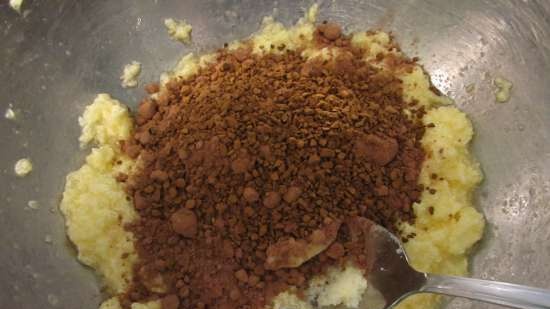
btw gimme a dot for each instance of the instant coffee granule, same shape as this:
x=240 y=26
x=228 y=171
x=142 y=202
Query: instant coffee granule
x=260 y=172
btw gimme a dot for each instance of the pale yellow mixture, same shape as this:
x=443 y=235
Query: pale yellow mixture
x=130 y=74
x=10 y=113
x=95 y=205
x=178 y=30
x=503 y=89
x=22 y=167
x=16 y=5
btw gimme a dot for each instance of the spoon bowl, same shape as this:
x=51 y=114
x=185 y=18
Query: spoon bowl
x=392 y=279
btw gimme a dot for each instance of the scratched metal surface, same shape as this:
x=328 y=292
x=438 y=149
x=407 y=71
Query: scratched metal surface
x=61 y=53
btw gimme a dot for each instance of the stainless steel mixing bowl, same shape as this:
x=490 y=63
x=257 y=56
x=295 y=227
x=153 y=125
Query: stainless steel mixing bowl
x=59 y=53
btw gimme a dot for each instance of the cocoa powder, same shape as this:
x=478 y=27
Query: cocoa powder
x=258 y=173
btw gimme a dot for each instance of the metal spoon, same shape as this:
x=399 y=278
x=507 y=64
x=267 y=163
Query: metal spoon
x=393 y=279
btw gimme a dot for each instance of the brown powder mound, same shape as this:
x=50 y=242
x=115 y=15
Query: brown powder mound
x=259 y=171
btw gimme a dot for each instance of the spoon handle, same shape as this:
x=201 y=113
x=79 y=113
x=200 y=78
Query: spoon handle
x=506 y=294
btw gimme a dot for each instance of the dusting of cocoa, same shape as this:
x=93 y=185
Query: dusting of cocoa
x=184 y=222
x=170 y=302
x=330 y=34
x=259 y=173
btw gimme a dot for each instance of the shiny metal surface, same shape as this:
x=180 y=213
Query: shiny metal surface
x=394 y=280
x=495 y=292
x=57 y=57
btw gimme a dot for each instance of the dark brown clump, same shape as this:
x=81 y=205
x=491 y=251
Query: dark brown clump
x=258 y=173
